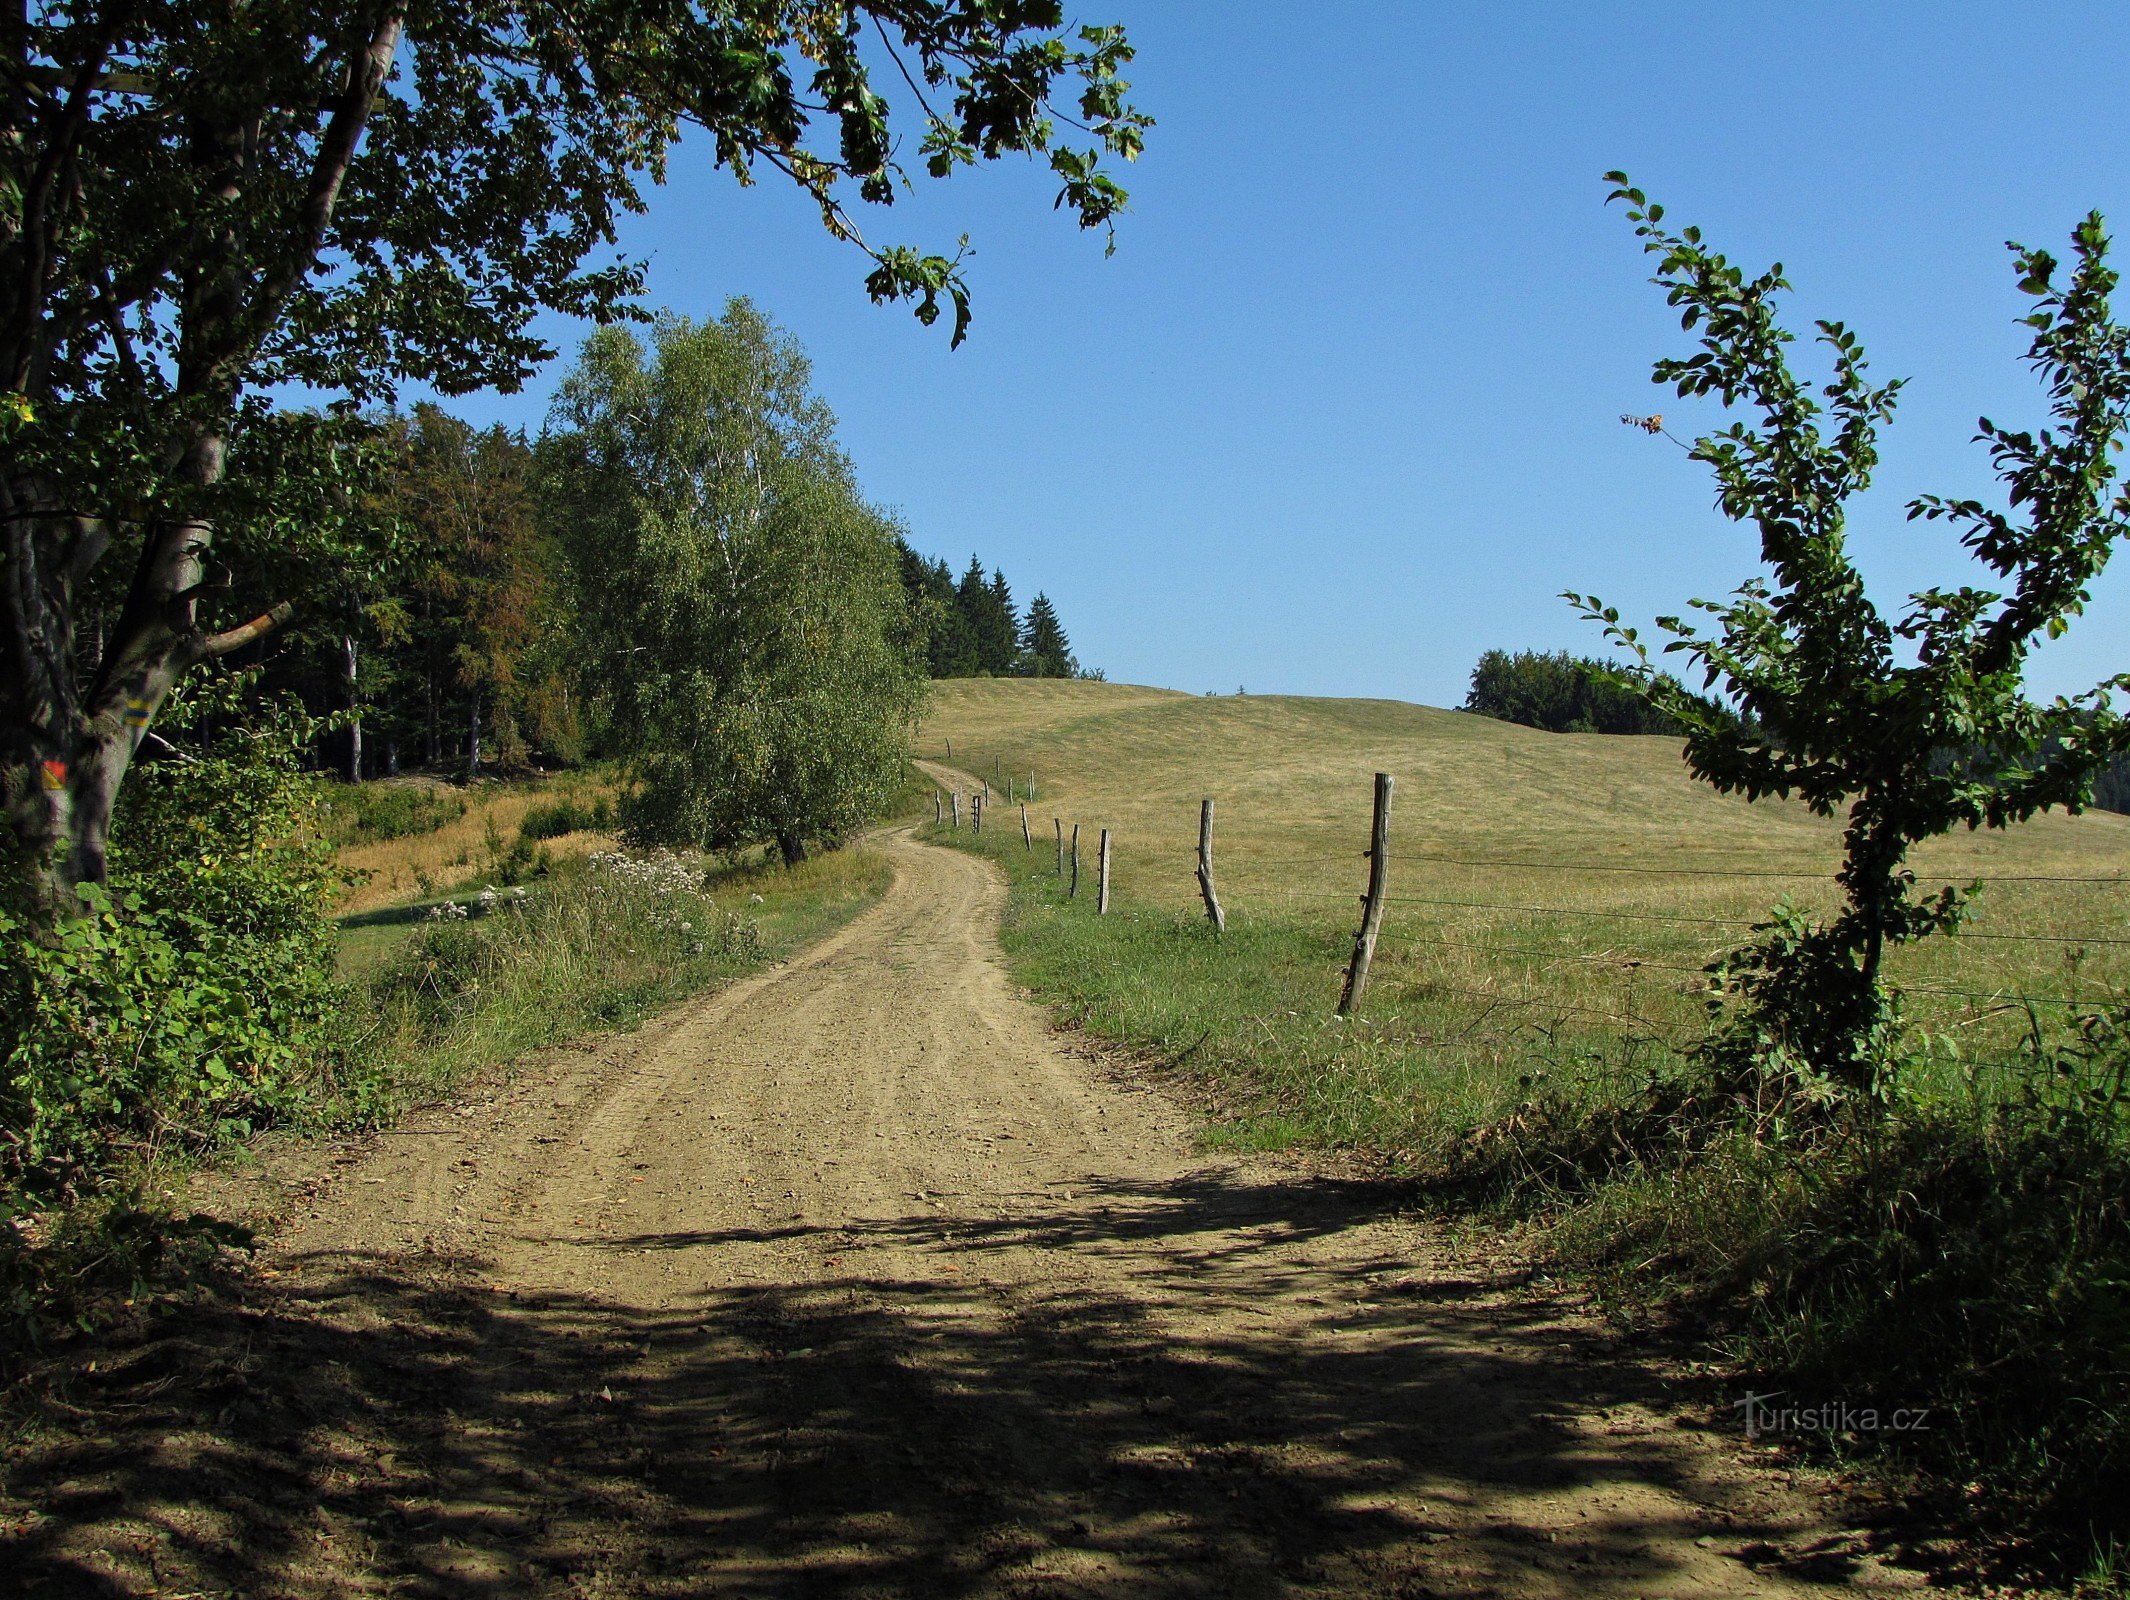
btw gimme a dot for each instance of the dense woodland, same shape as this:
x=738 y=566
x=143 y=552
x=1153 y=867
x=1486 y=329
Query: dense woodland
x=464 y=653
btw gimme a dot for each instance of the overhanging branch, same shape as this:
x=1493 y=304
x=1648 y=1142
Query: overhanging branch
x=221 y=644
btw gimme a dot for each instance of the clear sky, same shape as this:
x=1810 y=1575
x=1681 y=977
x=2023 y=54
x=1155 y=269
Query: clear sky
x=1342 y=411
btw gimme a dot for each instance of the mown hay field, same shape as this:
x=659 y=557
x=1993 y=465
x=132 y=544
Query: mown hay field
x=1558 y=886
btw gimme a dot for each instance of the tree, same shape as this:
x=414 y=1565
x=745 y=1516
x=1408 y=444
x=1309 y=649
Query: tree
x=987 y=612
x=479 y=604
x=741 y=607
x=1002 y=630
x=1045 y=652
x=1912 y=726
x=935 y=609
x=198 y=202
x=1561 y=694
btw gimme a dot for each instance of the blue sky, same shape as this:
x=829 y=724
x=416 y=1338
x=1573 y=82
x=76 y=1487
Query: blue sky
x=1342 y=411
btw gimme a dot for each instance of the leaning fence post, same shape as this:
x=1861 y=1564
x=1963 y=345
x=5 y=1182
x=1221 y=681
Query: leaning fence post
x=938 y=808
x=986 y=782
x=950 y=749
x=1027 y=838
x=1074 y=892
x=957 y=810
x=1364 y=942
x=1059 y=824
x=1102 y=893
x=1205 y=866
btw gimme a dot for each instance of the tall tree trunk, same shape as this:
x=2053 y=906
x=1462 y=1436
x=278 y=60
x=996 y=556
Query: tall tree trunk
x=348 y=668
x=793 y=846
x=68 y=734
x=473 y=735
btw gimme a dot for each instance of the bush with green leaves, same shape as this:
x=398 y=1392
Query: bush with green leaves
x=1911 y=725
x=552 y=819
x=195 y=998
x=361 y=813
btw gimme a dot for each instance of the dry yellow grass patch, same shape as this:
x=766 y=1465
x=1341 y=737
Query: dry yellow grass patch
x=451 y=854
x=1584 y=871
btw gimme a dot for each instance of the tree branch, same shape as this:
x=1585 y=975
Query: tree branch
x=221 y=644
x=336 y=153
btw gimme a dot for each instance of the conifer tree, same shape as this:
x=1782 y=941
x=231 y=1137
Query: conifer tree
x=987 y=608
x=1001 y=638
x=1045 y=651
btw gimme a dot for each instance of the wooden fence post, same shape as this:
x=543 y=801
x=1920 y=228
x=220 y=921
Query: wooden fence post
x=950 y=749
x=986 y=782
x=1059 y=824
x=976 y=812
x=1027 y=838
x=1031 y=785
x=957 y=810
x=1205 y=867
x=1009 y=789
x=938 y=809
x=1102 y=893
x=1364 y=942
x=1074 y=892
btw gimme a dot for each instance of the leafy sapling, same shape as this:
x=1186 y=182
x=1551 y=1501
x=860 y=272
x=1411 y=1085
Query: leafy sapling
x=1910 y=726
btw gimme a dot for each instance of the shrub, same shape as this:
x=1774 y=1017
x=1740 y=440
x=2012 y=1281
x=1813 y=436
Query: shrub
x=552 y=819
x=365 y=813
x=193 y=999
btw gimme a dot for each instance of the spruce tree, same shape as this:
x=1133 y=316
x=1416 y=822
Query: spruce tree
x=1001 y=639
x=1045 y=651
x=987 y=609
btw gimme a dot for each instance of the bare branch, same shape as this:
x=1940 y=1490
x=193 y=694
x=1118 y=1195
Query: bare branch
x=221 y=644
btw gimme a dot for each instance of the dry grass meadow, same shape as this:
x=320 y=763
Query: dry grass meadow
x=419 y=866
x=1561 y=880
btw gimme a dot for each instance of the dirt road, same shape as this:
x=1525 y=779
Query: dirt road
x=850 y=1281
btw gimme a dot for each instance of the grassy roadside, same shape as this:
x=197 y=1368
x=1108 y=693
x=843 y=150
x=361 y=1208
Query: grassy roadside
x=1524 y=1055
x=596 y=938
x=600 y=944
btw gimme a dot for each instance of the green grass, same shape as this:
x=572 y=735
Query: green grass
x=367 y=813
x=1523 y=1049
x=589 y=949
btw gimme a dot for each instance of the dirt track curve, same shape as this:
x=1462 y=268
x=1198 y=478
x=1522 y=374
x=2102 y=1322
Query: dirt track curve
x=850 y=1280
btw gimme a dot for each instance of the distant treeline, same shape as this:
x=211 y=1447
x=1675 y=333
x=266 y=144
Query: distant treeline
x=971 y=628
x=1561 y=694
x=465 y=652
